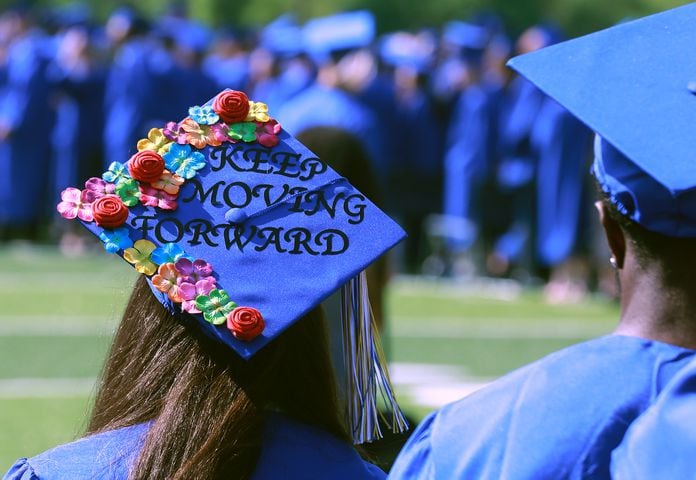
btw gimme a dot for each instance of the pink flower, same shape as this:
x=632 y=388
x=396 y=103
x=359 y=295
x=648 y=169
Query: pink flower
x=267 y=133
x=76 y=203
x=191 y=272
x=157 y=198
x=189 y=291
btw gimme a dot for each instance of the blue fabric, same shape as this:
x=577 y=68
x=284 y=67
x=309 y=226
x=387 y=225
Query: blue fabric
x=559 y=417
x=25 y=111
x=563 y=145
x=630 y=84
x=290 y=450
x=468 y=159
x=661 y=443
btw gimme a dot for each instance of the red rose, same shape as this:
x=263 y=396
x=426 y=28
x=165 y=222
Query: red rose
x=146 y=166
x=245 y=323
x=109 y=211
x=232 y=106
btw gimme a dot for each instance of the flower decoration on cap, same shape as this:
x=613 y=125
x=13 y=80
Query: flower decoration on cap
x=140 y=256
x=244 y=131
x=155 y=141
x=75 y=204
x=116 y=173
x=258 y=112
x=146 y=166
x=109 y=211
x=183 y=161
x=99 y=187
x=245 y=323
x=232 y=106
x=129 y=191
x=152 y=178
x=215 y=306
x=115 y=240
x=204 y=115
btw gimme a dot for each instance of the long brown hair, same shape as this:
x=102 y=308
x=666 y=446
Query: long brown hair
x=207 y=405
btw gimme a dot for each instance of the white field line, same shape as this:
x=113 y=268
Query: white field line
x=434 y=385
x=46 y=387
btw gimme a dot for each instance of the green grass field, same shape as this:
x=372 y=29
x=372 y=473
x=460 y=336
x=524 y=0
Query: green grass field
x=58 y=315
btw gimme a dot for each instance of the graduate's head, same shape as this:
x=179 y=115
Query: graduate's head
x=632 y=85
x=240 y=232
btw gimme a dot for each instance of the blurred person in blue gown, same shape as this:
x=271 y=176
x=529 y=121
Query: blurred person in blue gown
x=415 y=173
x=25 y=118
x=228 y=61
x=517 y=165
x=130 y=95
x=563 y=415
x=469 y=154
x=333 y=43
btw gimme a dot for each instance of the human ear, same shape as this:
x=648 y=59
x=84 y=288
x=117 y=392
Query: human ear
x=614 y=234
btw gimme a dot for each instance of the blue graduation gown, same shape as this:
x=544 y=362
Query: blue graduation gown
x=563 y=145
x=468 y=159
x=662 y=442
x=290 y=450
x=25 y=154
x=559 y=417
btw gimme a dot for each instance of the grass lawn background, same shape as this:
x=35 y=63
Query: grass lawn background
x=58 y=315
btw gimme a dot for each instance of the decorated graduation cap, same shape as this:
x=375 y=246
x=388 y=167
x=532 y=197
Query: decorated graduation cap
x=633 y=85
x=239 y=226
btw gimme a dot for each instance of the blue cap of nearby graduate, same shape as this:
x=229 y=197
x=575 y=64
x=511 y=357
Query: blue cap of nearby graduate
x=343 y=31
x=632 y=84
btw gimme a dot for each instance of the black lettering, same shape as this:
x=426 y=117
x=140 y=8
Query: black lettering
x=287 y=163
x=202 y=194
x=272 y=237
x=199 y=228
x=175 y=236
x=234 y=235
x=299 y=237
x=257 y=157
x=224 y=155
x=237 y=201
x=312 y=166
x=144 y=221
x=355 y=206
x=335 y=242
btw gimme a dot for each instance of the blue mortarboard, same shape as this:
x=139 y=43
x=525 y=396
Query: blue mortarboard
x=465 y=35
x=342 y=31
x=406 y=49
x=235 y=222
x=630 y=84
x=283 y=36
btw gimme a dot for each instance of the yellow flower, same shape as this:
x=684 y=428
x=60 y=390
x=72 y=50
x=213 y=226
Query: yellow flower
x=258 y=112
x=139 y=256
x=155 y=141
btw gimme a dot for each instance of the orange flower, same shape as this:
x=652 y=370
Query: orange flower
x=166 y=281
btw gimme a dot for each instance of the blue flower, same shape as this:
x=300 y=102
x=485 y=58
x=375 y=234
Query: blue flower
x=115 y=240
x=182 y=161
x=116 y=174
x=203 y=115
x=168 y=253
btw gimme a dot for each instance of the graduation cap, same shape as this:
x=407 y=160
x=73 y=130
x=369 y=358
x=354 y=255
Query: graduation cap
x=408 y=50
x=343 y=31
x=240 y=227
x=632 y=84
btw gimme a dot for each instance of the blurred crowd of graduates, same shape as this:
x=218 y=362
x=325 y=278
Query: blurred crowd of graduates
x=487 y=174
